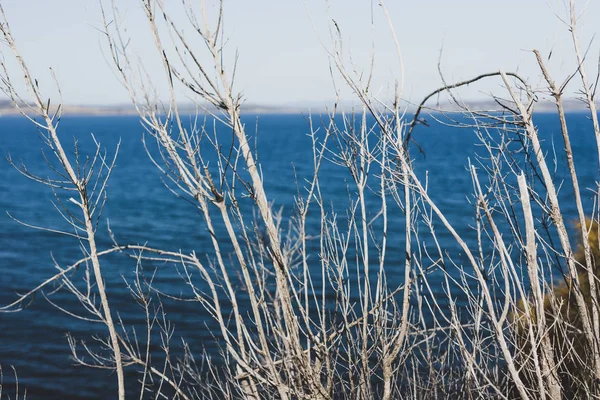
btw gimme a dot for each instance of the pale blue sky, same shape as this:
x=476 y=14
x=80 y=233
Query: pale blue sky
x=281 y=57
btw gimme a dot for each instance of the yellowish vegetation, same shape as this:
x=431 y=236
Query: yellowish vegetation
x=563 y=323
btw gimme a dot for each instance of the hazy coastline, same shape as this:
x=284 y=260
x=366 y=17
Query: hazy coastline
x=8 y=109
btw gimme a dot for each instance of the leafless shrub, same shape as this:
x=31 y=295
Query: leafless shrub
x=326 y=323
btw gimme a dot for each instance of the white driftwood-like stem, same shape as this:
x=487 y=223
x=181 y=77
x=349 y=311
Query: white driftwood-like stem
x=84 y=203
x=548 y=362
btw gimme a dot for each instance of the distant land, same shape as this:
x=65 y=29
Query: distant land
x=7 y=108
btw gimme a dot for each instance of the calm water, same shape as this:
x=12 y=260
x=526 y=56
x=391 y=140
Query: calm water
x=141 y=210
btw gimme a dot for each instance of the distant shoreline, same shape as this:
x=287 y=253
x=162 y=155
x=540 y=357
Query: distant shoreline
x=7 y=109
x=112 y=111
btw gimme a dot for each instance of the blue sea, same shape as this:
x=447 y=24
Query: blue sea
x=140 y=209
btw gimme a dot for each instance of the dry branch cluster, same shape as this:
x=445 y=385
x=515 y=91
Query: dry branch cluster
x=325 y=323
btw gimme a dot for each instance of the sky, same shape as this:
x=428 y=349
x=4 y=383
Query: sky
x=282 y=45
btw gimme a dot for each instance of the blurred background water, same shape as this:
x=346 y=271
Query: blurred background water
x=141 y=210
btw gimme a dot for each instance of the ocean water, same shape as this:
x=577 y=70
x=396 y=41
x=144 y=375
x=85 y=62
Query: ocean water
x=140 y=209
